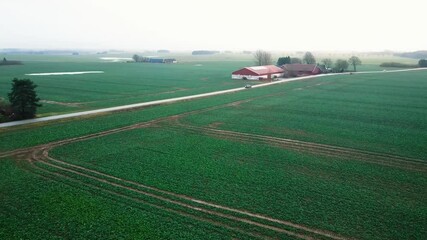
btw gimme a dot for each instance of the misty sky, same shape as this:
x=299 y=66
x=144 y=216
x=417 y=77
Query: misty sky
x=359 y=25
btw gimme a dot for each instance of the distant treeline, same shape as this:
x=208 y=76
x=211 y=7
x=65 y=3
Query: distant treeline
x=36 y=52
x=163 y=51
x=142 y=59
x=204 y=52
x=416 y=55
x=398 y=65
x=9 y=62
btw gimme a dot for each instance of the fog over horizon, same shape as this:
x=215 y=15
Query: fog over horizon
x=186 y=25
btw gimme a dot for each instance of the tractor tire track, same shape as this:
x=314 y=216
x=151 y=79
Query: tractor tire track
x=323 y=149
x=43 y=158
x=23 y=151
x=201 y=202
x=135 y=200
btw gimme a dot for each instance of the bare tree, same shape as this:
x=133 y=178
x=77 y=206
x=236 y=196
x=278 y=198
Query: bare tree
x=308 y=58
x=341 y=65
x=262 y=58
x=296 y=60
x=327 y=62
x=354 y=61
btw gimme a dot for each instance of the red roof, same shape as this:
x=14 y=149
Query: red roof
x=259 y=70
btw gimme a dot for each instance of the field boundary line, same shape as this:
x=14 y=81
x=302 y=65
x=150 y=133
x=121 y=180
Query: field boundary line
x=178 y=99
x=372 y=157
x=146 y=104
x=148 y=123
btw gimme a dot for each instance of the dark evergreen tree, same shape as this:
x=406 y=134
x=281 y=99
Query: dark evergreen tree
x=23 y=99
x=283 y=60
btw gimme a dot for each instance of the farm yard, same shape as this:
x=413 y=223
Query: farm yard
x=338 y=157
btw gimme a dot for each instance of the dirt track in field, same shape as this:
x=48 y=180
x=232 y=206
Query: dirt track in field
x=43 y=163
x=54 y=176
x=45 y=166
x=137 y=193
x=17 y=152
x=314 y=148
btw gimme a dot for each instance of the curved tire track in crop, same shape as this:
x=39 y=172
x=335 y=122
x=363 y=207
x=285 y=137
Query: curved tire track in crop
x=58 y=177
x=316 y=148
x=23 y=151
x=41 y=157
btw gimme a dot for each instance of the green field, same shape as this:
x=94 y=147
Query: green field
x=127 y=83
x=120 y=84
x=34 y=207
x=336 y=194
x=338 y=157
x=383 y=113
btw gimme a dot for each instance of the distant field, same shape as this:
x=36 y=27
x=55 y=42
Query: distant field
x=339 y=157
x=120 y=84
x=127 y=83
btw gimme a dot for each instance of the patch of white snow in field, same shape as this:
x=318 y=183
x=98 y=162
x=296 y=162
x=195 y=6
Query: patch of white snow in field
x=116 y=59
x=62 y=73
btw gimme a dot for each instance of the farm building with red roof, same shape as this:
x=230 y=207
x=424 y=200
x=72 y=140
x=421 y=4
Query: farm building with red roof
x=258 y=73
x=291 y=70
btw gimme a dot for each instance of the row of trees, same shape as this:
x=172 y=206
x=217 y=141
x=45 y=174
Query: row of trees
x=421 y=63
x=308 y=58
x=265 y=58
x=340 y=65
x=23 y=101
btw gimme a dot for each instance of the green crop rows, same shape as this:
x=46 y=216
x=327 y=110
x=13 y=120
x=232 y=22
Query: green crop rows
x=37 y=208
x=97 y=188
x=381 y=113
x=343 y=195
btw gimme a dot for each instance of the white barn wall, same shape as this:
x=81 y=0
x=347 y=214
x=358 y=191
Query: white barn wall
x=252 y=77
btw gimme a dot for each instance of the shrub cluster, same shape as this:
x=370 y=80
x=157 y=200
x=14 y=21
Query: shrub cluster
x=398 y=65
x=9 y=62
x=422 y=63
